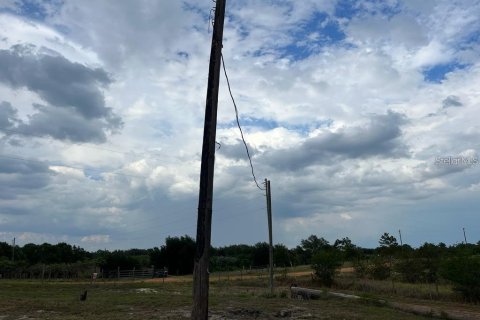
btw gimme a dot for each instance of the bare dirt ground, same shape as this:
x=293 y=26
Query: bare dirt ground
x=234 y=276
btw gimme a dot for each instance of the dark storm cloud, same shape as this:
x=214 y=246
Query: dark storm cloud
x=12 y=165
x=8 y=115
x=58 y=123
x=451 y=101
x=236 y=151
x=55 y=79
x=67 y=125
x=18 y=176
x=75 y=107
x=380 y=137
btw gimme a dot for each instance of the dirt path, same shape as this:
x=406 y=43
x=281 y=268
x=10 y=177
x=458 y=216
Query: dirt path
x=447 y=312
x=169 y=279
x=213 y=277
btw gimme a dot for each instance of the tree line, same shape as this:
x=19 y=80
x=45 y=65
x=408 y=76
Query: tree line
x=458 y=264
x=428 y=263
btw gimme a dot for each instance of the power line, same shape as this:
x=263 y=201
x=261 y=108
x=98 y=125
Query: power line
x=238 y=124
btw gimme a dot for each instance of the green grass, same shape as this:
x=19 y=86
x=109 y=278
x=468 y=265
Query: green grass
x=398 y=289
x=60 y=300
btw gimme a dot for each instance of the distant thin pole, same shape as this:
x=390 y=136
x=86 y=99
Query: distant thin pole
x=464 y=236
x=400 y=234
x=13 y=250
x=270 y=242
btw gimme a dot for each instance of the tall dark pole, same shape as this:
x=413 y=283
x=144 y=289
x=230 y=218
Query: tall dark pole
x=269 y=216
x=204 y=222
x=13 y=250
x=464 y=236
x=400 y=234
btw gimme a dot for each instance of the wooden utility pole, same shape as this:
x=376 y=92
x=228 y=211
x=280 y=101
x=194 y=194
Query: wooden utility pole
x=13 y=250
x=269 y=215
x=204 y=222
x=464 y=235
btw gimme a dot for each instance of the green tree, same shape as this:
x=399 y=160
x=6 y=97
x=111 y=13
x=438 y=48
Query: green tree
x=260 y=254
x=110 y=261
x=349 y=251
x=281 y=256
x=431 y=256
x=387 y=241
x=308 y=247
x=179 y=253
x=32 y=253
x=388 y=247
x=5 y=250
x=325 y=264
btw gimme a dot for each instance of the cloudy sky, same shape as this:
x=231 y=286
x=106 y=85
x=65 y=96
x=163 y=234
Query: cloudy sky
x=351 y=108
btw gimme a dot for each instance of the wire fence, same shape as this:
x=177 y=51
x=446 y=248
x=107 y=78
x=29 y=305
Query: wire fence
x=73 y=272
x=135 y=273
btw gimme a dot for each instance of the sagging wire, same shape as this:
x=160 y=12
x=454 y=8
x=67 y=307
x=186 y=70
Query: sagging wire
x=239 y=126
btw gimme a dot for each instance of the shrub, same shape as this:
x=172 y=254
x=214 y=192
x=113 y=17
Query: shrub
x=325 y=264
x=379 y=269
x=464 y=272
x=411 y=270
x=361 y=268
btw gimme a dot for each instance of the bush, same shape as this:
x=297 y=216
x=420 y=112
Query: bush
x=361 y=268
x=379 y=269
x=325 y=264
x=464 y=272
x=411 y=270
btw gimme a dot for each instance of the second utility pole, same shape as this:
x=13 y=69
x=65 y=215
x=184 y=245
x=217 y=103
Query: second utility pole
x=205 y=198
x=269 y=215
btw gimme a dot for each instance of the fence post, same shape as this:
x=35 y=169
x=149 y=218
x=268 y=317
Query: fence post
x=133 y=273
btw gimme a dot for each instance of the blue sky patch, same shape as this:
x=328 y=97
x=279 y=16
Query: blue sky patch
x=317 y=32
x=93 y=174
x=348 y=9
x=34 y=9
x=472 y=39
x=269 y=124
x=438 y=72
x=253 y=122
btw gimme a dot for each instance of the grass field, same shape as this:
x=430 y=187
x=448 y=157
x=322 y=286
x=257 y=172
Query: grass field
x=232 y=296
x=171 y=300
